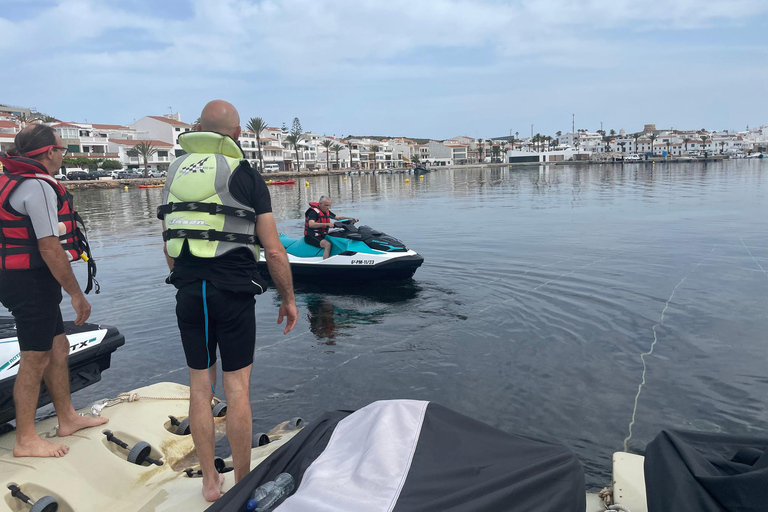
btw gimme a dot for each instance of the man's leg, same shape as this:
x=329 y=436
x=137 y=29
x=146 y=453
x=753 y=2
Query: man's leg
x=239 y=419
x=26 y=392
x=202 y=429
x=57 y=381
x=326 y=245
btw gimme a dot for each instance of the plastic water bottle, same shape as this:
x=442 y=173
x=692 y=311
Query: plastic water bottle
x=265 y=496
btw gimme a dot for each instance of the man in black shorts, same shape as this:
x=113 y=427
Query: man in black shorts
x=216 y=210
x=34 y=267
x=317 y=220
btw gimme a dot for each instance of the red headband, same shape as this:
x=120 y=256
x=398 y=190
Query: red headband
x=40 y=151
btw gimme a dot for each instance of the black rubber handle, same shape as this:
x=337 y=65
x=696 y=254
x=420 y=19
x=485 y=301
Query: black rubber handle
x=112 y=439
x=16 y=493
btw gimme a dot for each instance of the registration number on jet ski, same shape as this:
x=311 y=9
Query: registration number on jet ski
x=362 y=262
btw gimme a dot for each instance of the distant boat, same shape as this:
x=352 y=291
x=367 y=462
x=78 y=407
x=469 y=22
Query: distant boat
x=281 y=182
x=151 y=186
x=755 y=155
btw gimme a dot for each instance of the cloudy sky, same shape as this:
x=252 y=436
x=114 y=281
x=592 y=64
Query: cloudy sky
x=420 y=68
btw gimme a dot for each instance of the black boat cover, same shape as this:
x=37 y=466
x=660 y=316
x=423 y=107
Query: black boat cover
x=408 y=456
x=701 y=472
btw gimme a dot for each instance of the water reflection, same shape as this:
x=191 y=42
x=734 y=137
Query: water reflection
x=335 y=311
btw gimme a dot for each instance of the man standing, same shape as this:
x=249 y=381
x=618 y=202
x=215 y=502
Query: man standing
x=35 y=252
x=216 y=210
x=317 y=221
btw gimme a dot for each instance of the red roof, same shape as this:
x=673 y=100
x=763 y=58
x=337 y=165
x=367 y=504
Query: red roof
x=67 y=125
x=8 y=135
x=8 y=124
x=110 y=127
x=170 y=121
x=133 y=142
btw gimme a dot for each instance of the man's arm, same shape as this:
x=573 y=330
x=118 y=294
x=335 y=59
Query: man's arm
x=170 y=261
x=58 y=263
x=279 y=268
x=315 y=224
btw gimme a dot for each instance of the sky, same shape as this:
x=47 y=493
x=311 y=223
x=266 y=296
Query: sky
x=415 y=68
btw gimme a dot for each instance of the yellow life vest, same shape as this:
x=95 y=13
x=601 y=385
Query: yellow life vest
x=197 y=204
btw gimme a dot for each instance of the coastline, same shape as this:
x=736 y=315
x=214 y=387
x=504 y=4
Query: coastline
x=134 y=183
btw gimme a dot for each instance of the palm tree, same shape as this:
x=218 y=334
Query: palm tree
x=669 y=145
x=686 y=141
x=415 y=159
x=722 y=147
x=327 y=144
x=374 y=150
x=49 y=119
x=336 y=148
x=349 y=145
x=145 y=150
x=496 y=150
x=704 y=143
x=257 y=125
x=636 y=136
x=23 y=119
x=653 y=138
x=480 y=149
x=294 y=140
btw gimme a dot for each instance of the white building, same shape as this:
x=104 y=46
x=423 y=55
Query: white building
x=163 y=128
x=124 y=149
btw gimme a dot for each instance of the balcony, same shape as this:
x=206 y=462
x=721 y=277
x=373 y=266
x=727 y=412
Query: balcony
x=92 y=155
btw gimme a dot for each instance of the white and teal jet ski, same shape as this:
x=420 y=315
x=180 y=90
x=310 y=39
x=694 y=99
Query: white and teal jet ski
x=90 y=352
x=358 y=253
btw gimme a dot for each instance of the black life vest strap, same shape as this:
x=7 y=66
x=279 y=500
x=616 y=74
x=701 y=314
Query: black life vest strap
x=210 y=235
x=210 y=208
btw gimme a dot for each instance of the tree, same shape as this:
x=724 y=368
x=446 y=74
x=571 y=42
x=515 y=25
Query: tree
x=111 y=164
x=722 y=147
x=374 y=150
x=23 y=119
x=197 y=122
x=704 y=143
x=496 y=150
x=480 y=149
x=653 y=138
x=257 y=125
x=415 y=159
x=636 y=137
x=686 y=141
x=336 y=148
x=294 y=142
x=327 y=144
x=49 y=119
x=669 y=145
x=349 y=144
x=612 y=132
x=145 y=150
x=296 y=132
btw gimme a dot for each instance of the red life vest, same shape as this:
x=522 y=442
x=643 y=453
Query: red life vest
x=325 y=218
x=18 y=243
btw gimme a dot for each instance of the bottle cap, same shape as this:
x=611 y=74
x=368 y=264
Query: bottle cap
x=252 y=505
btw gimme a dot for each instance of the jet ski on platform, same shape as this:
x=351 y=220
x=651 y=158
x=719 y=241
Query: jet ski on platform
x=357 y=254
x=90 y=352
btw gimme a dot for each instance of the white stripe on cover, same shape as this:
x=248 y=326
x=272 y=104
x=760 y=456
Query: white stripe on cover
x=366 y=462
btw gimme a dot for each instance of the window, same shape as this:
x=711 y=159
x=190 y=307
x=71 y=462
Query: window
x=178 y=129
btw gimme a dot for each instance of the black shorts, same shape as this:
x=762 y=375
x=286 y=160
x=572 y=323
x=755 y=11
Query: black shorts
x=231 y=326
x=313 y=241
x=33 y=297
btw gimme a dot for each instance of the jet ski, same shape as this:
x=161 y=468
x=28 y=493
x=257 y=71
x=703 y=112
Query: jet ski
x=358 y=253
x=90 y=353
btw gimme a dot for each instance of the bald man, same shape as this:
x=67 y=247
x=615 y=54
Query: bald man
x=216 y=213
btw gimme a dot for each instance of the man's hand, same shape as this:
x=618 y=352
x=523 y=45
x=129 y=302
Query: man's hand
x=82 y=308
x=289 y=311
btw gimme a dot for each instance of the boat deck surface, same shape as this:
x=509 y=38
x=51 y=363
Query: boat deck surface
x=95 y=474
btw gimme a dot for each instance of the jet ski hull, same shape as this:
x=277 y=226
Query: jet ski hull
x=91 y=348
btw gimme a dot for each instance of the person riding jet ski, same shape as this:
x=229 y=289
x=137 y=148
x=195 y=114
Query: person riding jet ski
x=317 y=220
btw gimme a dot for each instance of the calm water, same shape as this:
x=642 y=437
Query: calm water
x=540 y=290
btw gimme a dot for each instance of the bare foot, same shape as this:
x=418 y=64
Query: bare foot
x=37 y=447
x=71 y=425
x=212 y=489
